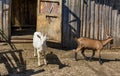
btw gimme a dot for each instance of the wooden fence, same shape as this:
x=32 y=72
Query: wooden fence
x=98 y=18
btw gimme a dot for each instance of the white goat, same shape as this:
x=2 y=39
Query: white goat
x=39 y=44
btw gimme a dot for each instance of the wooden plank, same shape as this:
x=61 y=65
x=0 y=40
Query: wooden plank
x=88 y=18
x=6 y=18
x=84 y=20
x=81 y=18
x=117 y=32
x=38 y=7
x=114 y=27
x=92 y=19
x=103 y=26
x=106 y=23
x=110 y=24
x=100 y=21
x=96 y=33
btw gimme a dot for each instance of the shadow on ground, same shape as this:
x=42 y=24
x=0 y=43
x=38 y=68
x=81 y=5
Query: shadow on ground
x=53 y=59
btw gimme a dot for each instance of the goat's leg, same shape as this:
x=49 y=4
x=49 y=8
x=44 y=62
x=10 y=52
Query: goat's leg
x=45 y=62
x=35 y=52
x=76 y=51
x=82 y=52
x=92 y=55
x=99 y=53
x=38 y=58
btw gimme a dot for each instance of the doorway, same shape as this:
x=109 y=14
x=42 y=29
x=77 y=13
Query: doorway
x=23 y=18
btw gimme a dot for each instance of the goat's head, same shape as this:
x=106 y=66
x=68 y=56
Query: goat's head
x=43 y=38
x=110 y=38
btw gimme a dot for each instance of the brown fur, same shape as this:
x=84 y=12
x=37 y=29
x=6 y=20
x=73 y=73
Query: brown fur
x=92 y=44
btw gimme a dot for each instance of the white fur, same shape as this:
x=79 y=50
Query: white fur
x=39 y=45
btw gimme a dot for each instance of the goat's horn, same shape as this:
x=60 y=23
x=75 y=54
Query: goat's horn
x=38 y=36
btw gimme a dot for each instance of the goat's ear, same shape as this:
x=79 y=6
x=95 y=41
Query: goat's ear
x=38 y=36
x=108 y=36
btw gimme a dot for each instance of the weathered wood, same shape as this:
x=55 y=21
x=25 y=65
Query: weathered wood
x=96 y=33
x=110 y=24
x=84 y=20
x=88 y=18
x=6 y=16
x=100 y=21
x=92 y=19
x=103 y=26
x=117 y=31
x=114 y=27
x=81 y=18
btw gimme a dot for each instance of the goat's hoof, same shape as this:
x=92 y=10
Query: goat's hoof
x=46 y=63
x=76 y=59
x=90 y=59
x=101 y=62
x=35 y=55
x=39 y=65
x=86 y=58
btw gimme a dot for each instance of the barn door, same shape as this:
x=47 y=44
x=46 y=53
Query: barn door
x=49 y=18
x=5 y=19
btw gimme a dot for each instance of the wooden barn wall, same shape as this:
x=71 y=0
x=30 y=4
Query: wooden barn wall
x=5 y=17
x=90 y=18
x=71 y=21
x=24 y=12
x=0 y=14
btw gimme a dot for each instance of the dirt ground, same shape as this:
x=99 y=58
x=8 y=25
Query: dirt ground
x=21 y=62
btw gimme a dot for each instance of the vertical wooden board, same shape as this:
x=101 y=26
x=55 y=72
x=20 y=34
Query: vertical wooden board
x=107 y=20
x=96 y=33
x=100 y=21
x=84 y=20
x=110 y=24
x=1 y=18
x=103 y=26
x=88 y=18
x=77 y=17
x=81 y=18
x=92 y=19
x=106 y=23
x=0 y=14
x=114 y=28
x=117 y=31
x=6 y=14
x=116 y=14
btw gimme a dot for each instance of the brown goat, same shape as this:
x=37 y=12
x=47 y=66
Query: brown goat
x=91 y=44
